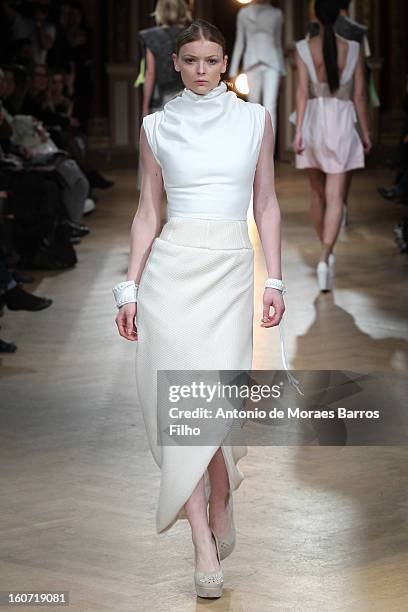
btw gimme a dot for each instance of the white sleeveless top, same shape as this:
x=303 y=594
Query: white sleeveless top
x=208 y=147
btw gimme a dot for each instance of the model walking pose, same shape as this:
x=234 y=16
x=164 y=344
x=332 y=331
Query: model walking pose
x=351 y=30
x=259 y=41
x=157 y=75
x=326 y=142
x=188 y=298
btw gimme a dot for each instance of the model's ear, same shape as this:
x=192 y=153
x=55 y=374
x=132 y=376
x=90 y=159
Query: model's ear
x=174 y=57
x=225 y=64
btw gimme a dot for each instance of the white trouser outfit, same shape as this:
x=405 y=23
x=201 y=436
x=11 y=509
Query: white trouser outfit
x=263 y=82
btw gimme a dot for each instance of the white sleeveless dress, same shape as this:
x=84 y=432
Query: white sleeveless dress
x=332 y=143
x=195 y=298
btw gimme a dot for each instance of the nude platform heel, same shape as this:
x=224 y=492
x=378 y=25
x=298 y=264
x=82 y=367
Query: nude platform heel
x=227 y=543
x=210 y=584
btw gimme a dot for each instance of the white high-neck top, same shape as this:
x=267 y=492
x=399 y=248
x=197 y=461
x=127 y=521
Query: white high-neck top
x=208 y=147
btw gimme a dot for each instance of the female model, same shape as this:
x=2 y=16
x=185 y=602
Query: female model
x=160 y=81
x=191 y=284
x=326 y=140
x=159 y=42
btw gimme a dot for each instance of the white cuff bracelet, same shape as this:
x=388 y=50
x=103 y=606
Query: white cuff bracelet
x=275 y=283
x=125 y=293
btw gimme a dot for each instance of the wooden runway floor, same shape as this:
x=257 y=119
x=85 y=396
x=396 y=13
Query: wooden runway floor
x=319 y=528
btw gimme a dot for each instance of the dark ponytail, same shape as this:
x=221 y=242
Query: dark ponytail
x=327 y=12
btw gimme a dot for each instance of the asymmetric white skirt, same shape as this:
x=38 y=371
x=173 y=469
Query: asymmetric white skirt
x=195 y=311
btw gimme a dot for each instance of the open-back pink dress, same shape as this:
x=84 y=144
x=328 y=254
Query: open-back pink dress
x=332 y=143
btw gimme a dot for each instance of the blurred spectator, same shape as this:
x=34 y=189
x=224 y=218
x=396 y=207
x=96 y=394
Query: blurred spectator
x=38 y=101
x=31 y=142
x=5 y=33
x=81 y=43
x=14 y=296
x=60 y=101
x=16 y=81
x=61 y=57
x=399 y=191
x=35 y=203
x=47 y=51
x=32 y=24
x=21 y=53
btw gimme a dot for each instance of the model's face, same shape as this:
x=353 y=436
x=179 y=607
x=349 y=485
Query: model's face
x=200 y=64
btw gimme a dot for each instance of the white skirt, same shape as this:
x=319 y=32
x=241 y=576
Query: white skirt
x=194 y=311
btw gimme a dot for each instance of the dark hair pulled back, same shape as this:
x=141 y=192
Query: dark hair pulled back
x=327 y=12
x=200 y=29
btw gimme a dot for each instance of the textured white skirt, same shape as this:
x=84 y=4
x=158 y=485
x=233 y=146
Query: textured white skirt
x=195 y=311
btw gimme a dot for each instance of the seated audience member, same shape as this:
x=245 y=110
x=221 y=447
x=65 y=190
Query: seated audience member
x=80 y=38
x=14 y=296
x=21 y=53
x=61 y=57
x=37 y=101
x=32 y=24
x=62 y=126
x=16 y=84
x=35 y=203
x=399 y=191
x=32 y=142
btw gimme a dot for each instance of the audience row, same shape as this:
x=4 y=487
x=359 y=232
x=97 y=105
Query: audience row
x=46 y=176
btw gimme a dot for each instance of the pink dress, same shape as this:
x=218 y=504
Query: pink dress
x=329 y=132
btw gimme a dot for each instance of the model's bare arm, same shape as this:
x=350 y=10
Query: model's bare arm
x=146 y=222
x=145 y=228
x=148 y=85
x=302 y=94
x=268 y=221
x=360 y=102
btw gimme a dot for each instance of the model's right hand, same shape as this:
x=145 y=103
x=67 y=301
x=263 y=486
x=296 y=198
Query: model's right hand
x=367 y=145
x=126 y=321
x=272 y=298
x=298 y=146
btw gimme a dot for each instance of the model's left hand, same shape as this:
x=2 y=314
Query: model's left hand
x=274 y=298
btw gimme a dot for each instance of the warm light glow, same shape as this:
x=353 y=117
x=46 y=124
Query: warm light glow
x=241 y=83
x=244 y=1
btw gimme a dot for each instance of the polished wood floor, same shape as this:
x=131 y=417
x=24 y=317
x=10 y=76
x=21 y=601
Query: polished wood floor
x=319 y=528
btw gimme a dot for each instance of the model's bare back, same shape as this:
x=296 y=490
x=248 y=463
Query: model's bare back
x=316 y=48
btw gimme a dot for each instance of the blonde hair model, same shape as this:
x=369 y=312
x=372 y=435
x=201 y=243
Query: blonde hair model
x=172 y=12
